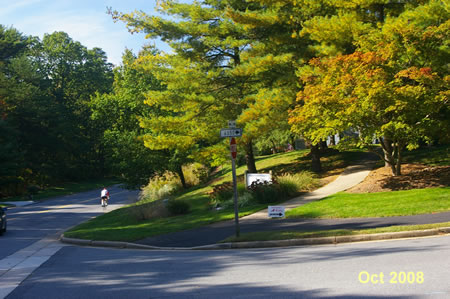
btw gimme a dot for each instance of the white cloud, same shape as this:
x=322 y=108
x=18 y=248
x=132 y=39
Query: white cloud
x=8 y=7
x=85 y=21
x=93 y=29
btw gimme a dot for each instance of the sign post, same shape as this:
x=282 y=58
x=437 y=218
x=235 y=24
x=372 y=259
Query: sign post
x=233 y=169
x=232 y=132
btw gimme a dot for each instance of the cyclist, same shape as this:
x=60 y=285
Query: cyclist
x=105 y=197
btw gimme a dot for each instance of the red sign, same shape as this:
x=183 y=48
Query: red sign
x=233 y=148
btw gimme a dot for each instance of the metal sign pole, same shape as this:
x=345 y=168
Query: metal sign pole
x=236 y=212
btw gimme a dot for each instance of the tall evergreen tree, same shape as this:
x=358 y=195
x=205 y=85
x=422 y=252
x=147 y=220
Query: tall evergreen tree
x=203 y=90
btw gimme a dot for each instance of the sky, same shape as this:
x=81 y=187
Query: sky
x=85 y=21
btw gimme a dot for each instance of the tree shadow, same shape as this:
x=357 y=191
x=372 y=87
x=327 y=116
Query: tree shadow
x=76 y=272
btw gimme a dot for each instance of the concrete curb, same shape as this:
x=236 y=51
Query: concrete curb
x=267 y=244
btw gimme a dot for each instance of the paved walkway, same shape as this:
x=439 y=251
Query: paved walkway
x=259 y=221
x=351 y=176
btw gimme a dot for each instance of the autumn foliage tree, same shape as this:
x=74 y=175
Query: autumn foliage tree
x=396 y=90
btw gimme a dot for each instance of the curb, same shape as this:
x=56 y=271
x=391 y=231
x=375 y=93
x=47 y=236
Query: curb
x=267 y=244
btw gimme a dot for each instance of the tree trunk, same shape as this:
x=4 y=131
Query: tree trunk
x=316 y=166
x=390 y=152
x=274 y=148
x=386 y=144
x=399 y=160
x=333 y=140
x=323 y=145
x=250 y=158
x=181 y=175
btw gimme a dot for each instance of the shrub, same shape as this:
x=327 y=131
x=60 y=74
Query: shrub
x=149 y=210
x=222 y=192
x=178 y=207
x=266 y=192
x=33 y=189
x=283 y=187
x=195 y=174
x=244 y=200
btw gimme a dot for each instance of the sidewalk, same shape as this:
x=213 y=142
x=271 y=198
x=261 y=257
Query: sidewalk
x=352 y=176
x=259 y=221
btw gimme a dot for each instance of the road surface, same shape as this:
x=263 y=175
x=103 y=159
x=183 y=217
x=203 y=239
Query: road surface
x=33 y=231
x=33 y=264
x=414 y=268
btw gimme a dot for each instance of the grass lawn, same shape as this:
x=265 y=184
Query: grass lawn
x=381 y=204
x=120 y=225
x=287 y=235
x=433 y=156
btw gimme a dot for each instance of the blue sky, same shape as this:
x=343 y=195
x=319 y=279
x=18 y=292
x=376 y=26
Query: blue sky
x=85 y=21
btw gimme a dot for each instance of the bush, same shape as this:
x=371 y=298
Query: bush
x=178 y=207
x=195 y=174
x=283 y=187
x=162 y=186
x=222 y=192
x=33 y=189
x=149 y=210
x=244 y=200
x=266 y=192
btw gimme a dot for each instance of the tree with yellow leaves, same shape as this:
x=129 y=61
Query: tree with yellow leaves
x=395 y=88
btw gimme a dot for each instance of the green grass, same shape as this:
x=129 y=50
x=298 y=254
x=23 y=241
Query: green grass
x=332 y=161
x=119 y=225
x=65 y=189
x=288 y=235
x=381 y=204
x=433 y=156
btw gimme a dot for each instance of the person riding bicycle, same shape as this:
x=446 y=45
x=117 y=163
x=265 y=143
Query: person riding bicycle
x=105 y=197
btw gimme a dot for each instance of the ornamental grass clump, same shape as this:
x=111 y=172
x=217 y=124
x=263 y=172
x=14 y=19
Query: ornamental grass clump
x=149 y=210
x=222 y=196
x=293 y=184
x=244 y=200
x=160 y=187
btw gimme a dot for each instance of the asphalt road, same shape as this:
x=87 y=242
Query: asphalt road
x=33 y=264
x=33 y=231
x=412 y=268
x=32 y=223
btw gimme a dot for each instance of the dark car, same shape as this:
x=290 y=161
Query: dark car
x=2 y=220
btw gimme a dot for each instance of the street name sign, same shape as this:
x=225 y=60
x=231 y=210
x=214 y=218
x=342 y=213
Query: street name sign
x=233 y=132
